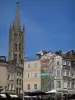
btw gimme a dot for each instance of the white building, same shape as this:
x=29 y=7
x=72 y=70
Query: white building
x=62 y=72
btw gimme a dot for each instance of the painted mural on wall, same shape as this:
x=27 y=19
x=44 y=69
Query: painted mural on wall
x=45 y=76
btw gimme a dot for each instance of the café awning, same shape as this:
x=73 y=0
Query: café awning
x=3 y=95
x=13 y=96
x=52 y=91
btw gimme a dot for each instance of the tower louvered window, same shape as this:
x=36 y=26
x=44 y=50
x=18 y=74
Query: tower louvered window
x=20 y=46
x=16 y=37
x=15 y=46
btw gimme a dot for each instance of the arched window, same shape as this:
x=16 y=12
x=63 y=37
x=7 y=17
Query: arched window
x=58 y=62
x=58 y=72
x=15 y=56
x=19 y=46
x=15 y=37
x=20 y=37
x=15 y=46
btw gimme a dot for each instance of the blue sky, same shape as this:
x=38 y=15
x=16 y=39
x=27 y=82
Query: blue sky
x=50 y=24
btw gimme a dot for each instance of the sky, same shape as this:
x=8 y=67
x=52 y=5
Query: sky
x=49 y=25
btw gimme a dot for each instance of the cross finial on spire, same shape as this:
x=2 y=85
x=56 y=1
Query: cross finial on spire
x=17 y=19
x=17 y=1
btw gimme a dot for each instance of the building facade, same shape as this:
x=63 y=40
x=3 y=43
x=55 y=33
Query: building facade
x=61 y=71
x=3 y=74
x=62 y=75
x=7 y=76
x=16 y=50
x=56 y=72
x=32 y=78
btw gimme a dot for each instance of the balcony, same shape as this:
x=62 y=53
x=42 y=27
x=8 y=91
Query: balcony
x=68 y=63
x=64 y=63
x=66 y=67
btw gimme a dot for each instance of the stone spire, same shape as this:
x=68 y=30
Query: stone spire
x=17 y=17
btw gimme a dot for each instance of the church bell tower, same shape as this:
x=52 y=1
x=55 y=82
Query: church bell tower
x=16 y=47
x=16 y=40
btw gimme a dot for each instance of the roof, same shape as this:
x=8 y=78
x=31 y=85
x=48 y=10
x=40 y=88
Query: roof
x=31 y=59
x=3 y=61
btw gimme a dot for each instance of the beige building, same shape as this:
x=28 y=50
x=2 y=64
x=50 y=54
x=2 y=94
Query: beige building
x=3 y=74
x=7 y=76
x=32 y=77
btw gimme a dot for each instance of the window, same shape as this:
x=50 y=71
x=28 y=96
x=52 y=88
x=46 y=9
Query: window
x=58 y=72
x=68 y=73
x=35 y=75
x=35 y=86
x=19 y=58
x=8 y=77
x=15 y=56
x=57 y=62
x=8 y=86
x=64 y=62
x=12 y=77
x=69 y=84
x=72 y=74
x=58 y=84
x=35 y=65
x=16 y=37
x=17 y=90
x=20 y=37
x=64 y=72
x=28 y=86
x=19 y=46
x=15 y=47
x=28 y=65
x=72 y=85
x=20 y=82
x=17 y=81
x=19 y=74
x=28 y=75
x=68 y=63
x=64 y=84
x=52 y=84
x=12 y=86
